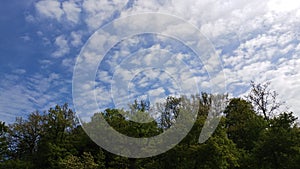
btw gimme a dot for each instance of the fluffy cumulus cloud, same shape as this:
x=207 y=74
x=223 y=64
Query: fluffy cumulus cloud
x=263 y=47
x=91 y=12
x=257 y=40
x=72 y=11
x=136 y=69
x=76 y=39
x=50 y=9
x=99 y=11
x=62 y=44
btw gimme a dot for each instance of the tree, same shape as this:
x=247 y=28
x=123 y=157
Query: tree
x=243 y=139
x=55 y=142
x=218 y=151
x=279 y=146
x=25 y=134
x=58 y=122
x=73 y=162
x=243 y=124
x=3 y=141
x=22 y=139
x=70 y=162
x=169 y=111
x=205 y=101
x=82 y=144
x=263 y=99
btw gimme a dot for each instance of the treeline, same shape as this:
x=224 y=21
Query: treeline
x=252 y=134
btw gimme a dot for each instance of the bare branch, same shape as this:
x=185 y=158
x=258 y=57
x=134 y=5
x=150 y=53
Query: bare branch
x=263 y=99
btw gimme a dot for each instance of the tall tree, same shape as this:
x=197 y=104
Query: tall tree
x=279 y=146
x=86 y=161
x=25 y=134
x=243 y=124
x=264 y=99
x=169 y=111
x=55 y=143
x=3 y=141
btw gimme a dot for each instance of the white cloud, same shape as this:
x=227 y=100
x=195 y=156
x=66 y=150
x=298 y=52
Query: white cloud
x=99 y=11
x=257 y=40
x=25 y=38
x=21 y=94
x=30 y=18
x=148 y=71
x=49 y=8
x=19 y=71
x=283 y=6
x=72 y=11
x=76 y=39
x=63 y=47
x=68 y=63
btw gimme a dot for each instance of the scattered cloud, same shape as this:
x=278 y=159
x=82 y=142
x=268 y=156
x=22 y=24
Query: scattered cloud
x=19 y=71
x=50 y=9
x=25 y=38
x=72 y=11
x=97 y=12
x=62 y=44
x=255 y=40
x=21 y=94
x=76 y=39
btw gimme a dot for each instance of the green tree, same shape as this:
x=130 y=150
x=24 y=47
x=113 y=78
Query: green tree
x=244 y=138
x=55 y=142
x=218 y=152
x=73 y=162
x=70 y=162
x=279 y=145
x=24 y=136
x=243 y=124
x=169 y=111
x=3 y=141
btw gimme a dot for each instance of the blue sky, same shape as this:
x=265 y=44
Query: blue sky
x=41 y=40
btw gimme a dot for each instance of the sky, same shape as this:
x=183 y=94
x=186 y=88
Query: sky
x=44 y=42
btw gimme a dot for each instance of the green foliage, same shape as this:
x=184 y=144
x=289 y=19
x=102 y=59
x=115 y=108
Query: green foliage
x=3 y=141
x=278 y=146
x=218 y=151
x=73 y=162
x=170 y=111
x=129 y=127
x=244 y=139
x=55 y=142
x=25 y=134
x=16 y=164
x=242 y=123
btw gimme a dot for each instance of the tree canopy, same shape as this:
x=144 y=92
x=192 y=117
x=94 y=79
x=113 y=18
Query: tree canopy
x=248 y=136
